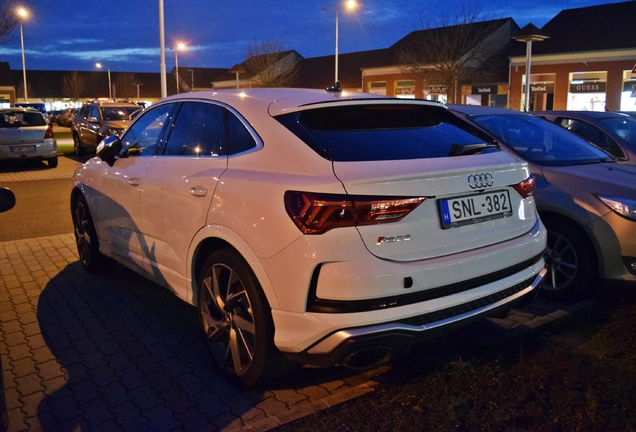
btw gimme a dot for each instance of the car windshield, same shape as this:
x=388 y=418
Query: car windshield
x=16 y=119
x=119 y=113
x=624 y=127
x=369 y=132
x=539 y=141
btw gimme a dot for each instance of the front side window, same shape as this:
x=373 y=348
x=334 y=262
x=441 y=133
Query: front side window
x=144 y=134
x=624 y=128
x=199 y=130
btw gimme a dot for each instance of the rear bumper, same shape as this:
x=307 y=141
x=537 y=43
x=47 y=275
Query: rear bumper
x=380 y=341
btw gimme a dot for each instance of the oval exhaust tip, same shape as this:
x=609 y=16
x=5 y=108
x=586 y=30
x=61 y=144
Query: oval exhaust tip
x=368 y=358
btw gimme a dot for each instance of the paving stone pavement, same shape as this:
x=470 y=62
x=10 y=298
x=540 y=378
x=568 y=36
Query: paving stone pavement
x=116 y=352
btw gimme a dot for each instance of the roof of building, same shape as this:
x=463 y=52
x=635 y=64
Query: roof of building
x=6 y=78
x=604 y=27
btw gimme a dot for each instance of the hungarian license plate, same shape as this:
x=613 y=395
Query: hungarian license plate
x=474 y=209
x=22 y=149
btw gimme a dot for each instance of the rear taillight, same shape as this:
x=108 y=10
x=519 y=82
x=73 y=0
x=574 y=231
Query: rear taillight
x=526 y=188
x=316 y=213
x=48 y=133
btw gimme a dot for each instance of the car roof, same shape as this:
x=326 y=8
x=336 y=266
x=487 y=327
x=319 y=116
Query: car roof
x=20 y=109
x=588 y=114
x=478 y=109
x=284 y=100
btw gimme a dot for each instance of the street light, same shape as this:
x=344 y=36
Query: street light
x=350 y=5
x=180 y=46
x=529 y=34
x=110 y=93
x=23 y=13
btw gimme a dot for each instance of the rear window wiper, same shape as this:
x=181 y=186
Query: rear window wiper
x=469 y=149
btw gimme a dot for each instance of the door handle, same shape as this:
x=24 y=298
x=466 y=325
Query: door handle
x=134 y=181
x=198 y=191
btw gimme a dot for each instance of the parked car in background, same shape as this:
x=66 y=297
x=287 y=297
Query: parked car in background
x=64 y=117
x=613 y=132
x=312 y=226
x=96 y=120
x=585 y=197
x=24 y=134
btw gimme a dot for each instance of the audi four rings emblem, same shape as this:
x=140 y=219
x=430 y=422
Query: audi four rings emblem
x=480 y=181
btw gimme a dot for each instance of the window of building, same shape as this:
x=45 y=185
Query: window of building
x=628 y=97
x=378 y=88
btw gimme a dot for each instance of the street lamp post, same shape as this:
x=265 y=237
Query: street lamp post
x=192 y=76
x=110 y=92
x=23 y=13
x=351 y=4
x=180 y=46
x=529 y=34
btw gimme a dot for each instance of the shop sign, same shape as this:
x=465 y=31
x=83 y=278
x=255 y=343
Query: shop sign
x=629 y=86
x=436 y=90
x=484 y=90
x=588 y=87
x=405 y=91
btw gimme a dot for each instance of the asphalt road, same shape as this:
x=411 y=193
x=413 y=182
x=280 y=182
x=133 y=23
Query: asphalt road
x=42 y=209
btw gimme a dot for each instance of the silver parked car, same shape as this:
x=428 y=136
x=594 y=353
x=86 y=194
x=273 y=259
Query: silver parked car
x=585 y=197
x=613 y=132
x=24 y=134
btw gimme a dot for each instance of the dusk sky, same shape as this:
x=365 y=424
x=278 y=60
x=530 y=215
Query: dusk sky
x=123 y=35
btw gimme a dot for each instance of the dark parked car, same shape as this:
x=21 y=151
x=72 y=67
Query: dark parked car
x=585 y=197
x=614 y=132
x=97 y=120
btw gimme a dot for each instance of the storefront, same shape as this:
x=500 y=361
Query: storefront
x=405 y=89
x=587 y=91
x=628 y=97
x=493 y=95
x=436 y=93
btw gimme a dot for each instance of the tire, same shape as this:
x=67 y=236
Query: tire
x=77 y=146
x=86 y=237
x=52 y=162
x=571 y=262
x=237 y=321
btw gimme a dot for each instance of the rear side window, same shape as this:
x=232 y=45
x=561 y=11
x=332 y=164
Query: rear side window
x=378 y=131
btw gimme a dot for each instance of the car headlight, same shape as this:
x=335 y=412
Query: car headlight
x=623 y=206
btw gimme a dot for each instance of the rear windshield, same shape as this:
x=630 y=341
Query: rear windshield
x=378 y=131
x=16 y=119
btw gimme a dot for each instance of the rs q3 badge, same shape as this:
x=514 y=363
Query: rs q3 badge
x=384 y=240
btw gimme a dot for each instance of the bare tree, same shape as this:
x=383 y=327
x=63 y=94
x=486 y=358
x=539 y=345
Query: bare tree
x=267 y=64
x=125 y=85
x=73 y=85
x=453 y=48
x=8 y=20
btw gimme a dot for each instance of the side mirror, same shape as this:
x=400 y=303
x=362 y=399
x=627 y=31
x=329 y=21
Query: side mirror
x=92 y=120
x=7 y=199
x=108 y=149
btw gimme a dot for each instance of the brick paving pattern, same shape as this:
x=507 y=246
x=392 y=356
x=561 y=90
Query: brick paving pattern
x=116 y=352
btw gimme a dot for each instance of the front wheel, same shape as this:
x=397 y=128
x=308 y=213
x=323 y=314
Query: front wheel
x=237 y=321
x=571 y=262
